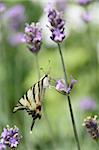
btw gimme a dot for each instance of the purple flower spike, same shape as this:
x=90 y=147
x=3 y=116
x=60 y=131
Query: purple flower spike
x=33 y=37
x=16 y=38
x=10 y=137
x=16 y=11
x=15 y=16
x=57 y=35
x=92 y=126
x=87 y=104
x=56 y=25
x=86 y=17
x=84 y=2
x=2 y=7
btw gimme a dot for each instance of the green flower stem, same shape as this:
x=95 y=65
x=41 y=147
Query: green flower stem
x=69 y=101
x=93 y=42
x=44 y=107
x=92 y=46
x=49 y=127
x=37 y=66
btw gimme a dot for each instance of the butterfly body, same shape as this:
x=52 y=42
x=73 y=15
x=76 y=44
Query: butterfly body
x=31 y=101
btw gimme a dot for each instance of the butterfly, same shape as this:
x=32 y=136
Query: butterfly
x=31 y=101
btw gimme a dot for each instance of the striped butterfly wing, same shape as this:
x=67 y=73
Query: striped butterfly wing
x=31 y=100
x=26 y=102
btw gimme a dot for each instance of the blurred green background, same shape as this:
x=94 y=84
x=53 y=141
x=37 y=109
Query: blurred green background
x=18 y=72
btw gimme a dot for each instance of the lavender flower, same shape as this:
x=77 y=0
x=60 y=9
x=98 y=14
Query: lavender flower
x=84 y=2
x=10 y=137
x=92 y=126
x=33 y=37
x=2 y=146
x=87 y=104
x=60 y=5
x=86 y=17
x=61 y=87
x=16 y=38
x=15 y=16
x=2 y=7
x=56 y=25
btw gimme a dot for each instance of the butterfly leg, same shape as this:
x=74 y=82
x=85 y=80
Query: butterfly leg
x=34 y=118
x=32 y=124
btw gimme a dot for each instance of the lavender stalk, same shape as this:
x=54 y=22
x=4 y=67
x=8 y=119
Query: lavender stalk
x=87 y=18
x=37 y=65
x=69 y=100
x=33 y=39
x=57 y=35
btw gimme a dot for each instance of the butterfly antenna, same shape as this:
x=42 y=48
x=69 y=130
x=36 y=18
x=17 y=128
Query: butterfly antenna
x=52 y=82
x=42 y=69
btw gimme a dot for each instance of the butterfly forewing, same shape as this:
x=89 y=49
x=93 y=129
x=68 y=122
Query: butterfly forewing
x=26 y=102
x=31 y=101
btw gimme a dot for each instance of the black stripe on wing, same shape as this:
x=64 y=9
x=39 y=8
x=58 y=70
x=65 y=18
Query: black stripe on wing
x=22 y=97
x=18 y=107
x=26 y=94
x=33 y=91
x=42 y=81
x=39 y=90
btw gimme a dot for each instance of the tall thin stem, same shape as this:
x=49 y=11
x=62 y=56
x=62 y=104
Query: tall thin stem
x=44 y=108
x=63 y=65
x=37 y=66
x=49 y=126
x=92 y=46
x=93 y=42
x=69 y=101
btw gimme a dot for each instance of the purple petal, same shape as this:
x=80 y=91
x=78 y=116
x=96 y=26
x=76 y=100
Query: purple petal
x=60 y=85
x=86 y=17
x=57 y=35
x=73 y=81
x=33 y=37
x=2 y=146
x=4 y=133
x=13 y=142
